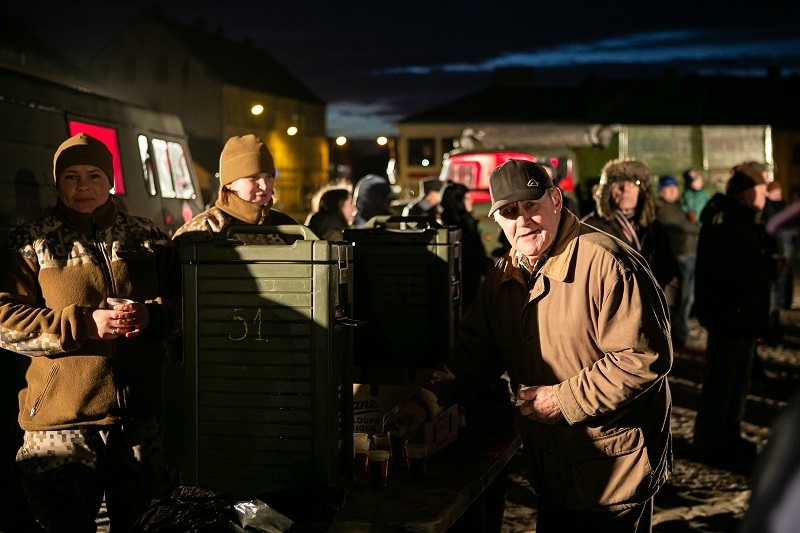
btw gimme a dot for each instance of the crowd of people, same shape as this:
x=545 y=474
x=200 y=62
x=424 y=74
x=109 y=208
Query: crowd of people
x=579 y=314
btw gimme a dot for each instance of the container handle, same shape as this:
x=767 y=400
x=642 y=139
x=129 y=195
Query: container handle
x=382 y=221
x=284 y=229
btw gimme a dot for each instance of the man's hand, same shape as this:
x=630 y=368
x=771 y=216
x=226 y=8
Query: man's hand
x=409 y=414
x=540 y=404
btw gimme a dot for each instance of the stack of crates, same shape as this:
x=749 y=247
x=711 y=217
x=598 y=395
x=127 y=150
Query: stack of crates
x=266 y=389
x=407 y=292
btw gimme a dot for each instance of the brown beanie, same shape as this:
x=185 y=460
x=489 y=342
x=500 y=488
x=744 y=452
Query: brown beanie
x=83 y=149
x=744 y=177
x=243 y=157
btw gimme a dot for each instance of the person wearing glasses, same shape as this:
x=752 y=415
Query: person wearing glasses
x=578 y=323
x=247 y=185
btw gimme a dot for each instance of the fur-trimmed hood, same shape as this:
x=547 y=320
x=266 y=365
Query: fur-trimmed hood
x=620 y=170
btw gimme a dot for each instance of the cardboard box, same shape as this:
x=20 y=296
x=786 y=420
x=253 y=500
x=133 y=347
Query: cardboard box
x=371 y=402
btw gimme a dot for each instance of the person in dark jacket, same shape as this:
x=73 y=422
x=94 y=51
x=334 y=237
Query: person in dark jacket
x=682 y=233
x=625 y=209
x=373 y=197
x=455 y=209
x=734 y=268
x=334 y=213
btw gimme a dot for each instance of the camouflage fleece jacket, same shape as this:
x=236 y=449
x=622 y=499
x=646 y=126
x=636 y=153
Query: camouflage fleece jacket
x=230 y=210
x=53 y=273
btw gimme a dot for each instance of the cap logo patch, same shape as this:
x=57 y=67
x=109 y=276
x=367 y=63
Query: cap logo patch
x=533 y=183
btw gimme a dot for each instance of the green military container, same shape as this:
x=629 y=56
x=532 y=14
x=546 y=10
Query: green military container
x=407 y=291
x=266 y=385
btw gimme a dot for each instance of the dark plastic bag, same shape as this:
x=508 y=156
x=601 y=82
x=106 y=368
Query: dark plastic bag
x=195 y=510
x=188 y=510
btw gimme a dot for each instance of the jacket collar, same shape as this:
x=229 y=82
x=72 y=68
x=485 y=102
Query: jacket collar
x=100 y=219
x=243 y=210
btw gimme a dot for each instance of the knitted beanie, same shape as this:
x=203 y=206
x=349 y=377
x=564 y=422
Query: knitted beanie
x=83 y=149
x=243 y=157
x=744 y=177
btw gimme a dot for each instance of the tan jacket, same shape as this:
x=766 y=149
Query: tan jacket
x=53 y=274
x=232 y=210
x=595 y=326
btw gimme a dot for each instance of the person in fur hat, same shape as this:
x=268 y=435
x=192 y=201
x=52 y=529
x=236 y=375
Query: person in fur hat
x=90 y=403
x=625 y=208
x=247 y=184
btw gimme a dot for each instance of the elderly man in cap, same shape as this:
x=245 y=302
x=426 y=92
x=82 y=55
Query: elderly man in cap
x=732 y=290
x=581 y=327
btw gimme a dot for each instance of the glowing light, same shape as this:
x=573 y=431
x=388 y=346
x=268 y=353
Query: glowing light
x=425 y=163
x=292 y=130
x=341 y=140
x=257 y=109
x=382 y=141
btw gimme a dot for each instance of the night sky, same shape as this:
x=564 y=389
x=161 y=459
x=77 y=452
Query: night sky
x=377 y=62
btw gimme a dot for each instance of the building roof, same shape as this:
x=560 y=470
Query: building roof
x=240 y=64
x=691 y=100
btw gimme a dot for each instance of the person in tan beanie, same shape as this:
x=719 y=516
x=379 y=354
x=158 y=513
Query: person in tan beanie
x=247 y=184
x=91 y=401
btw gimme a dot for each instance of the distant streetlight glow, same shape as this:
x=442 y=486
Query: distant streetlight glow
x=257 y=109
x=292 y=130
x=341 y=140
x=382 y=141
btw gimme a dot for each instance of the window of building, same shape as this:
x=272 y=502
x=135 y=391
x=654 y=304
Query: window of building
x=448 y=143
x=422 y=152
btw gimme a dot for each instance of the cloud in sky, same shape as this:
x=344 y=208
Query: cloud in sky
x=704 y=51
x=647 y=48
x=375 y=66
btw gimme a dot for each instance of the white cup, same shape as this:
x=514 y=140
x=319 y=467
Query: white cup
x=118 y=301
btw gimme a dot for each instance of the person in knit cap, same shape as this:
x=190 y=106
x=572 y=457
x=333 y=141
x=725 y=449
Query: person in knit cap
x=732 y=290
x=246 y=187
x=91 y=399
x=625 y=208
x=576 y=316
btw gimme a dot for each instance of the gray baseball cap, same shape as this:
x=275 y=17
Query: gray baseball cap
x=517 y=180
